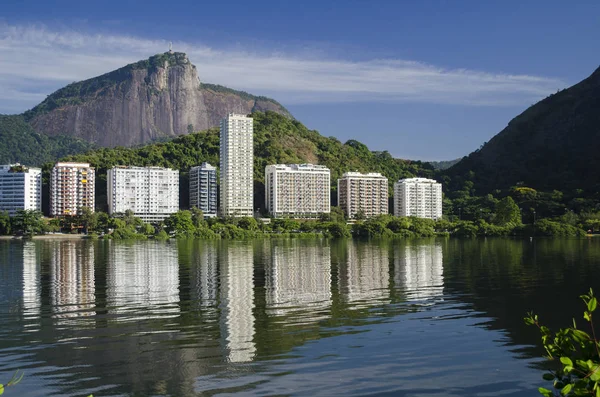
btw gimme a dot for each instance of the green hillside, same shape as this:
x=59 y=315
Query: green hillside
x=277 y=139
x=553 y=145
x=19 y=143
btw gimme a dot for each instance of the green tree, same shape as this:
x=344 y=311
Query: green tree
x=180 y=223
x=247 y=223
x=88 y=219
x=197 y=217
x=507 y=212
x=4 y=223
x=339 y=230
x=28 y=222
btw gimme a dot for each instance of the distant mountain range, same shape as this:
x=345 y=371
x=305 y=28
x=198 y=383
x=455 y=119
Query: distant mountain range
x=553 y=145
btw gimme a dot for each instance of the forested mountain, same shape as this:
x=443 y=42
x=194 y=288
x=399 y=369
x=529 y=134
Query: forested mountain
x=277 y=139
x=160 y=97
x=20 y=143
x=553 y=145
x=443 y=165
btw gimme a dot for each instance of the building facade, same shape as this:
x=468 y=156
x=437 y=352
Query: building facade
x=297 y=190
x=236 y=166
x=203 y=189
x=72 y=187
x=363 y=194
x=20 y=188
x=152 y=193
x=418 y=197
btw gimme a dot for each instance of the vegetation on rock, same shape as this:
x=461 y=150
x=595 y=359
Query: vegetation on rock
x=20 y=143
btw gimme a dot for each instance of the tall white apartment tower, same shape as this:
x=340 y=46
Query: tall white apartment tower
x=418 y=197
x=203 y=189
x=20 y=188
x=297 y=190
x=236 y=163
x=366 y=193
x=72 y=187
x=152 y=193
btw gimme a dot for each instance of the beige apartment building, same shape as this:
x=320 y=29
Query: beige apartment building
x=420 y=197
x=151 y=193
x=72 y=187
x=363 y=193
x=236 y=166
x=297 y=190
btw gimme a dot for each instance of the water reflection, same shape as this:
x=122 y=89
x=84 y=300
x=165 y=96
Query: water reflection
x=72 y=281
x=142 y=280
x=298 y=279
x=364 y=276
x=237 y=300
x=20 y=291
x=419 y=270
x=180 y=318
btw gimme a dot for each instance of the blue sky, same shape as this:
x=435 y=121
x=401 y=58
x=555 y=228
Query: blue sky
x=427 y=80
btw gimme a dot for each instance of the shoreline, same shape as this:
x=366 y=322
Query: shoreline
x=48 y=237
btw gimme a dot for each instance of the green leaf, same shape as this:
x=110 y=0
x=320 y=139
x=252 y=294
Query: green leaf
x=566 y=390
x=548 y=376
x=566 y=361
x=1 y=389
x=592 y=303
x=595 y=376
x=580 y=336
x=545 y=392
x=597 y=391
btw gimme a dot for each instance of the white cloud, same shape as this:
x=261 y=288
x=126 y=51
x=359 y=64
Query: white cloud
x=37 y=60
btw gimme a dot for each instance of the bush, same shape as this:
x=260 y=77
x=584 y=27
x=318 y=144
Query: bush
x=574 y=354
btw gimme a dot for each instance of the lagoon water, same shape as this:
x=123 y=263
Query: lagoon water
x=430 y=317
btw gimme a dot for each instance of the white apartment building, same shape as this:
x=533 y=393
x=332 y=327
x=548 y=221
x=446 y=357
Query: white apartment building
x=72 y=187
x=236 y=163
x=20 y=188
x=365 y=193
x=297 y=190
x=418 y=197
x=203 y=189
x=152 y=193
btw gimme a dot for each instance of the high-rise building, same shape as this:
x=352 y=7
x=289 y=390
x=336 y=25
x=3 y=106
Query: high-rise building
x=363 y=193
x=236 y=162
x=297 y=190
x=152 y=193
x=72 y=187
x=418 y=197
x=203 y=189
x=20 y=188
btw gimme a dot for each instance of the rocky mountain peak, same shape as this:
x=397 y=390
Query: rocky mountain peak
x=154 y=98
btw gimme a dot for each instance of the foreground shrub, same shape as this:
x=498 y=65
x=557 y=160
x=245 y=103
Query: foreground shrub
x=574 y=353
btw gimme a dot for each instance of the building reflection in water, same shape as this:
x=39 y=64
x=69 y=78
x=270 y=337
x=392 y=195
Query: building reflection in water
x=237 y=300
x=298 y=278
x=20 y=289
x=142 y=280
x=365 y=276
x=72 y=284
x=32 y=289
x=419 y=270
x=205 y=275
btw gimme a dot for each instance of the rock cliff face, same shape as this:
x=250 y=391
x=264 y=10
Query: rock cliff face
x=148 y=100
